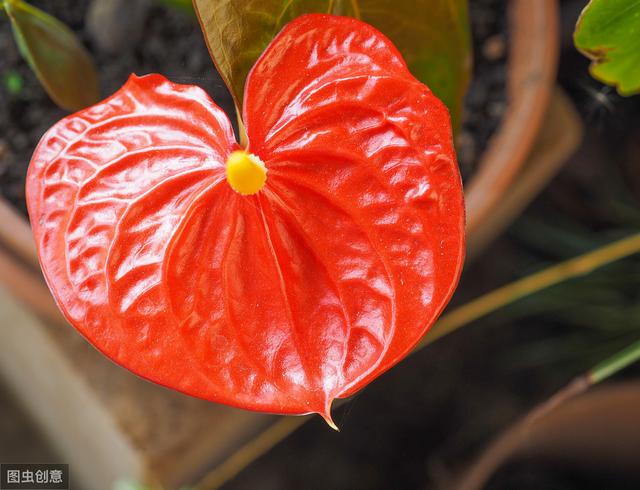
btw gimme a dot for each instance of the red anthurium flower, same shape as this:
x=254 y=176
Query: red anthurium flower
x=274 y=278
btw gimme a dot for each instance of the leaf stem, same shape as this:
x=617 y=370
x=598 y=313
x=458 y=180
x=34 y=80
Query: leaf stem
x=500 y=449
x=242 y=131
x=450 y=322
x=615 y=363
x=330 y=7
x=356 y=9
x=570 y=269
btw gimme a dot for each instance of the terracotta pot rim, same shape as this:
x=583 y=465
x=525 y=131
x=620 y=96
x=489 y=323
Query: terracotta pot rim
x=532 y=66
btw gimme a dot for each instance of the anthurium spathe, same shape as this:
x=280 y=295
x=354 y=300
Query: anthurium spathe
x=275 y=277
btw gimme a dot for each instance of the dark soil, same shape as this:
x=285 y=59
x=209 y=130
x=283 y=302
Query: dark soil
x=171 y=43
x=486 y=99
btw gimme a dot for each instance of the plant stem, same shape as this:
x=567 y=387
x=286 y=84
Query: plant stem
x=504 y=446
x=450 y=322
x=356 y=9
x=490 y=302
x=242 y=131
x=615 y=363
x=605 y=369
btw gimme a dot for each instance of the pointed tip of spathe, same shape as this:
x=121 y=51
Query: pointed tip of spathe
x=326 y=415
x=331 y=423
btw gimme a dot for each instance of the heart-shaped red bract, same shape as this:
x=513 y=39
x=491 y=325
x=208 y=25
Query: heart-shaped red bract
x=279 y=301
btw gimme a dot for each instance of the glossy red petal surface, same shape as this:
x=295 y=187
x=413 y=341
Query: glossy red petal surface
x=283 y=300
x=360 y=155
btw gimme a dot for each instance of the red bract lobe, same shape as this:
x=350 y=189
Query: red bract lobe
x=283 y=300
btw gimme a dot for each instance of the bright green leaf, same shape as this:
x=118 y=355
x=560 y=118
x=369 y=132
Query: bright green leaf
x=433 y=36
x=63 y=66
x=608 y=32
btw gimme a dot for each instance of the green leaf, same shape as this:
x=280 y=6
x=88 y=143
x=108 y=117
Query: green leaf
x=608 y=32
x=433 y=36
x=63 y=66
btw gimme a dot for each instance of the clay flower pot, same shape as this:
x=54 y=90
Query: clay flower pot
x=532 y=64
